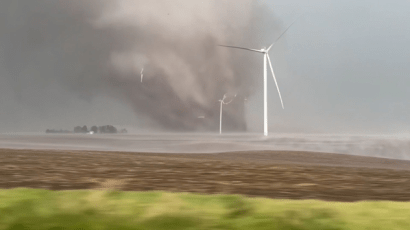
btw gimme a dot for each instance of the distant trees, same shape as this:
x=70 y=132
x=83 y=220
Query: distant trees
x=84 y=129
x=79 y=129
x=57 y=131
x=107 y=129
x=93 y=129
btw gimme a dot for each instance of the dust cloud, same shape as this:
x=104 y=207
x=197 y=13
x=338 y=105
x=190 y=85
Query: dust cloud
x=54 y=54
x=384 y=146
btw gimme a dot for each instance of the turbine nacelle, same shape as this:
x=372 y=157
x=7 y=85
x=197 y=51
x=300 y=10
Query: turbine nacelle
x=223 y=100
x=264 y=50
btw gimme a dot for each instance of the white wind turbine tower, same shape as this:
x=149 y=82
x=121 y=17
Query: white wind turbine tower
x=142 y=75
x=220 y=116
x=265 y=93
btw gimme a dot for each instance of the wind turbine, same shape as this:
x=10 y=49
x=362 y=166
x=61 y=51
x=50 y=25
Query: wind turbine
x=142 y=75
x=265 y=93
x=220 y=116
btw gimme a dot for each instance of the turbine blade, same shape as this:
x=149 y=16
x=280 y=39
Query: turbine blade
x=236 y=47
x=284 y=32
x=274 y=78
x=228 y=102
x=270 y=47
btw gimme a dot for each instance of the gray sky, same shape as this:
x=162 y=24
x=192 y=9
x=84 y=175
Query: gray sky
x=341 y=68
x=344 y=68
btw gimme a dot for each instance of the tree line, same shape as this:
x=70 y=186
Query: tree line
x=94 y=129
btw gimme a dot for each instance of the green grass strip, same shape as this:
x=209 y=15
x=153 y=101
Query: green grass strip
x=88 y=209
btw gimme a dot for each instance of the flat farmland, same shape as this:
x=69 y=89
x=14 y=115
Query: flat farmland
x=273 y=174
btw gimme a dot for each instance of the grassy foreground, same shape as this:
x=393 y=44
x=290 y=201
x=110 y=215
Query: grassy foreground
x=84 y=209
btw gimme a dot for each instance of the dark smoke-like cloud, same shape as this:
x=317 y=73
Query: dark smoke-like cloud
x=94 y=47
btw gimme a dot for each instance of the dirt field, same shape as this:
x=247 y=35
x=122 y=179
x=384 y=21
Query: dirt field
x=280 y=174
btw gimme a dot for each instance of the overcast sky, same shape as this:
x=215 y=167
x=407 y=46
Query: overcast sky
x=342 y=68
x=345 y=67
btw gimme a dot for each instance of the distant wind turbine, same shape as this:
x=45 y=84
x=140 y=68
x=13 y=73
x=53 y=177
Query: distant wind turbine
x=265 y=93
x=220 y=116
x=142 y=75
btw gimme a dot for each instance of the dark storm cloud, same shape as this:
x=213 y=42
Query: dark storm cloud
x=96 y=47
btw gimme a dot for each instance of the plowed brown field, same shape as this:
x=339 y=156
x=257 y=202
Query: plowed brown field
x=274 y=174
